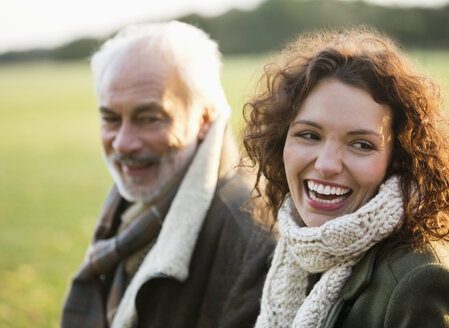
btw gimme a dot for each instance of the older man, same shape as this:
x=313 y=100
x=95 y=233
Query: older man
x=172 y=247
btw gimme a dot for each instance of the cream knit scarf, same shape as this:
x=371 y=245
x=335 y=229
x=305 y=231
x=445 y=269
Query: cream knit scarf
x=331 y=249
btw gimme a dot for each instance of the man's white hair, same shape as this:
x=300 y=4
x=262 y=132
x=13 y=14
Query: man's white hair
x=195 y=56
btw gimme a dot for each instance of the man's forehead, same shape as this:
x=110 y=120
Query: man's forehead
x=141 y=71
x=135 y=70
x=139 y=58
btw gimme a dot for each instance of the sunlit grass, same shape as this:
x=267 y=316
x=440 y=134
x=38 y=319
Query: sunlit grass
x=53 y=180
x=52 y=184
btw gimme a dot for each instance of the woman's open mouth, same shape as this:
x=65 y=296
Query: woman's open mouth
x=325 y=196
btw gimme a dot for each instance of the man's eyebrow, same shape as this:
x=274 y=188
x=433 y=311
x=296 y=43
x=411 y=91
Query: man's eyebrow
x=150 y=107
x=107 y=110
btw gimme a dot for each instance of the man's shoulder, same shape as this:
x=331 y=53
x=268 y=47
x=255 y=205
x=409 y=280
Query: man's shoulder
x=234 y=189
x=230 y=206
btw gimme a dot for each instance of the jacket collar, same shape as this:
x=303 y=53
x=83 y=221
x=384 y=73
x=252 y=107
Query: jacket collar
x=360 y=277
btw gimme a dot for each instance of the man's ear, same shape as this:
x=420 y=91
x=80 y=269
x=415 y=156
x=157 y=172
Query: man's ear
x=206 y=121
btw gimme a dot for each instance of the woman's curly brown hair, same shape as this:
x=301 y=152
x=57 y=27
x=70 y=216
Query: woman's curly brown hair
x=362 y=58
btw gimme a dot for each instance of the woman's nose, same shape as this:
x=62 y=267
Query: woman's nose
x=329 y=160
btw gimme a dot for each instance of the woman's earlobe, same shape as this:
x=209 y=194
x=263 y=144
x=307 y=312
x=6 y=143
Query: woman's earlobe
x=394 y=167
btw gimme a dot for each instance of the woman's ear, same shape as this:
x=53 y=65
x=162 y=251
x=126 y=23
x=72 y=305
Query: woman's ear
x=394 y=167
x=206 y=121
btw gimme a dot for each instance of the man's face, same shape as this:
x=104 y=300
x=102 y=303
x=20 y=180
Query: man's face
x=149 y=129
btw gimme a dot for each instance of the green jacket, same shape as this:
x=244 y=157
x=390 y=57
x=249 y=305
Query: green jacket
x=397 y=290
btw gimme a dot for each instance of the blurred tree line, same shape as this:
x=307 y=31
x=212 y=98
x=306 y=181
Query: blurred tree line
x=276 y=22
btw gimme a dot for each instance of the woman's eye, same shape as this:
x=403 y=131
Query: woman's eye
x=308 y=135
x=363 y=145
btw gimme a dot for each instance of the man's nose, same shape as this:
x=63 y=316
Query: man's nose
x=127 y=140
x=329 y=160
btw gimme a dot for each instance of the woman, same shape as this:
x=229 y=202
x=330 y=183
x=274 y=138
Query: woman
x=353 y=162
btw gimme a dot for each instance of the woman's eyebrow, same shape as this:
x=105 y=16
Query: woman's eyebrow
x=307 y=122
x=354 y=132
x=364 y=132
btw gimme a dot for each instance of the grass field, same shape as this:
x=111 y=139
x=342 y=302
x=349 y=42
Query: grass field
x=53 y=181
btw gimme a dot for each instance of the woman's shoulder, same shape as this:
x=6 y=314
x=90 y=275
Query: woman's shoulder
x=396 y=286
x=420 y=285
x=401 y=261
x=384 y=266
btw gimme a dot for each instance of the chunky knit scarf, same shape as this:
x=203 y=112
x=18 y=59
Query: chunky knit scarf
x=331 y=249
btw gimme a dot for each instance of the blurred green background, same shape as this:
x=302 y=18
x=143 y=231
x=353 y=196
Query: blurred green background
x=53 y=180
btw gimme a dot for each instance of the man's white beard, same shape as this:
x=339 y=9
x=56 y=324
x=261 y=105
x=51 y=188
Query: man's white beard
x=170 y=164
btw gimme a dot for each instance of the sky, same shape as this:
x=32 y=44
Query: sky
x=28 y=24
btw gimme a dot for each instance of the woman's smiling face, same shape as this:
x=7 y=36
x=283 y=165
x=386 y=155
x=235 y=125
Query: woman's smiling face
x=337 y=151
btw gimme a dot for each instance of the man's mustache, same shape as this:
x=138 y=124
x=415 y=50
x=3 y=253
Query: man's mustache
x=135 y=159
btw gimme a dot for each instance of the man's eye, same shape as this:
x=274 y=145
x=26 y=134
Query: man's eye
x=148 y=119
x=110 y=119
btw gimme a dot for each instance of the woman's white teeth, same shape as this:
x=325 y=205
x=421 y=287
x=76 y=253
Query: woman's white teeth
x=327 y=190
x=326 y=201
